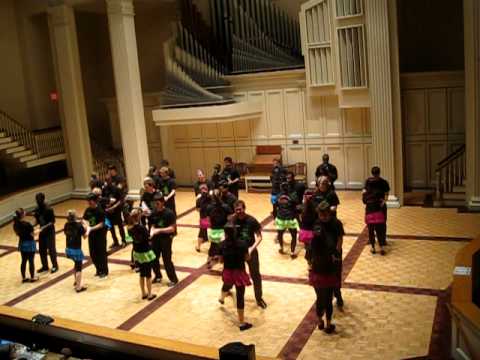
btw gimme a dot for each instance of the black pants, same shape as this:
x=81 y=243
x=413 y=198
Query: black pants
x=293 y=233
x=27 y=257
x=97 y=244
x=77 y=266
x=240 y=293
x=121 y=230
x=47 y=246
x=254 y=270
x=336 y=291
x=163 y=247
x=380 y=230
x=324 y=302
x=202 y=234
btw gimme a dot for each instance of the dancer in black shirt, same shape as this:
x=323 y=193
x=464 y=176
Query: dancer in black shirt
x=230 y=175
x=45 y=219
x=74 y=231
x=26 y=244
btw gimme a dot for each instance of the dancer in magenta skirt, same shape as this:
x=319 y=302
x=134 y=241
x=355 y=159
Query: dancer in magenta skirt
x=234 y=254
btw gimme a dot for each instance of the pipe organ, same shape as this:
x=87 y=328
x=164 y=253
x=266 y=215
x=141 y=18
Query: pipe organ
x=334 y=46
x=244 y=36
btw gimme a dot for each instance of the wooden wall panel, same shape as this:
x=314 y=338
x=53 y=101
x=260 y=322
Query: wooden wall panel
x=196 y=161
x=314 y=157
x=354 y=166
x=295 y=154
x=456 y=118
x=437 y=111
x=353 y=121
x=415 y=162
x=337 y=157
x=241 y=130
x=211 y=157
x=258 y=127
x=182 y=165
x=414 y=110
x=225 y=131
x=436 y=152
x=368 y=153
x=332 y=120
x=244 y=154
x=209 y=133
x=194 y=132
x=180 y=133
x=294 y=113
x=275 y=114
x=313 y=117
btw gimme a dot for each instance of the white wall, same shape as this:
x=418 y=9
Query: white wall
x=306 y=128
x=433 y=121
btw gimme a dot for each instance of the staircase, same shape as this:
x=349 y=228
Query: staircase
x=450 y=180
x=27 y=148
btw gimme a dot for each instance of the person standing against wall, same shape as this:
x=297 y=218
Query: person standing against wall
x=230 y=175
x=327 y=169
x=45 y=219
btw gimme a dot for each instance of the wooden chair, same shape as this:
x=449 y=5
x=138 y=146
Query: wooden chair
x=300 y=171
x=242 y=168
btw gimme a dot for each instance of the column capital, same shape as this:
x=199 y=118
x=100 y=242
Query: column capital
x=120 y=7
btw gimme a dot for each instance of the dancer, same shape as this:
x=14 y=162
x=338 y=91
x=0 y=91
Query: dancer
x=142 y=253
x=287 y=219
x=226 y=196
x=308 y=217
x=374 y=197
x=26 y=244
x=95 y=182
x=117 y=179
x=163 y=222
x=113 y=211
x=234 y=254
x=230 y=175
x=167 y=187
x=250 y=231
x=74 y=231
x=215 y=179
x=277 y=177
x=147 y=202
x=324 y=275
x=295 y=186
x=45 y=219
x=94 y=220
x=218 y=213
x=171 y=172
x=325 y=192
x=327 y=169
x=202 y=179
x=203 y=200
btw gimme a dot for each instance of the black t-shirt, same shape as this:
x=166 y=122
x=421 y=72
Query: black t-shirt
x=147 y=198
x=379 y=186
x=234 y=254
x=94 y=216
x=218 y=214
x=73 y=232
x=95 y=183
x=298 y=188
x=45 y=215
x=163 y=219
x=112 y=192
x=324 y=245
x=279 y=174
x=24 y=230
x=196 y=186
x=202 y=204
x=309 y=215
x=329 y=196
x=230 y=200
x=327 y=169
x=141 y=237
x=118 y=180
x=166 y=186
x=286 y=210
x=247 y=228
x=230 y=173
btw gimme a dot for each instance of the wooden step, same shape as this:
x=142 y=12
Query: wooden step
x=46 y=160
x=3 y=134
x=454 y=196
x=459 y=189
x=5 y=140
x=22 y=153
x=27 y=158
x=16 y=149
x=9 y=145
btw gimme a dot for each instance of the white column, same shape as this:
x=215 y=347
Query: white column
x=63 y=31
x=129 y=91
x=380 y=85
x=472 y=100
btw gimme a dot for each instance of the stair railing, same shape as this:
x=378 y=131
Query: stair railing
x=42 y=143
x=450 y=172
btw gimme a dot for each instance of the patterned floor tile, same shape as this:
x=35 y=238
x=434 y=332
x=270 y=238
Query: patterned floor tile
x=411 y=263
x=211 y=324
x=376 y=325
x=119 y=295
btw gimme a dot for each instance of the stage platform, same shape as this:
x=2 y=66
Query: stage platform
x=394 y=305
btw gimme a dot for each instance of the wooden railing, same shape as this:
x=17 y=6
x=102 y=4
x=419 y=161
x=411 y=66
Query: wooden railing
x=450 y=172
x=42 y=143
x=104 y=157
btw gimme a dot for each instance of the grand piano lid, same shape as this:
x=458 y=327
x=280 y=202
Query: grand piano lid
x=244 y=110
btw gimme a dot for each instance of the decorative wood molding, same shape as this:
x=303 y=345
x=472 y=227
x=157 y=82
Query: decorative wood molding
x=429 y=80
